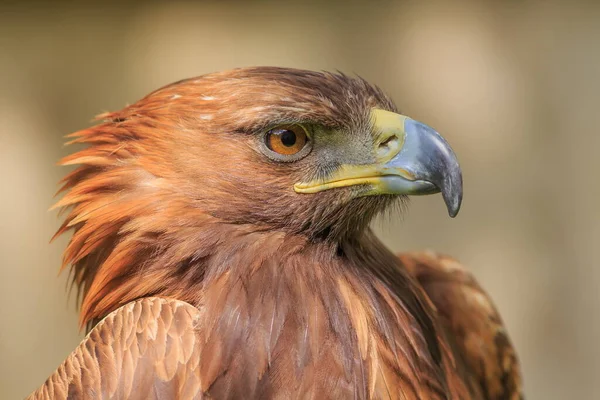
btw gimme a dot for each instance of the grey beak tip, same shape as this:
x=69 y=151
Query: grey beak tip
x=453 y=192
x=453 y=210
x=453 y=205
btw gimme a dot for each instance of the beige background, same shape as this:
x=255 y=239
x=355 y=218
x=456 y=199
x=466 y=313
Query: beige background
x=515 y=88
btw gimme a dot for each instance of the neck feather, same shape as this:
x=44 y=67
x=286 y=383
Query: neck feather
x=266 y=287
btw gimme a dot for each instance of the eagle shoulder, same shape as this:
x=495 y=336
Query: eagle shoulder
x=145 y=349
x=472 y=323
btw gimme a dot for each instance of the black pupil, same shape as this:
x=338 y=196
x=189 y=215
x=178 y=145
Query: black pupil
x=288 y=138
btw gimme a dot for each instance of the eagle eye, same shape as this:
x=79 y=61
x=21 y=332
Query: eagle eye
x=287 y=143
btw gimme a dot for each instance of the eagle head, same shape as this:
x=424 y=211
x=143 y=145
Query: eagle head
x=310 y=154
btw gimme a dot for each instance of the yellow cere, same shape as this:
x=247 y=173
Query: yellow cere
x=388 y=124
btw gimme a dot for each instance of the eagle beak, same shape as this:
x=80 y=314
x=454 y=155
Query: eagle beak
x=410 y=159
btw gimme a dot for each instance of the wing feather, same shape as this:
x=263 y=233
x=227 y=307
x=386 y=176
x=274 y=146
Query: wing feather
x=145 y=348
x=473 y=325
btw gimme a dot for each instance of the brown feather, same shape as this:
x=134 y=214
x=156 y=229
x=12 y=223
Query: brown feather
x=472 y=323
x=118 y=359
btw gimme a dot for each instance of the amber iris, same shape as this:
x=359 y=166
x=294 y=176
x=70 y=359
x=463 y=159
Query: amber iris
x=287 y=140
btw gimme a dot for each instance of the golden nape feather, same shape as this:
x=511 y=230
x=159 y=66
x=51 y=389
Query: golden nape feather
x=221 y=247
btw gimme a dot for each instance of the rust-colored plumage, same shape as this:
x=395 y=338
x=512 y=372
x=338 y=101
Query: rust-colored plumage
x=213 y=278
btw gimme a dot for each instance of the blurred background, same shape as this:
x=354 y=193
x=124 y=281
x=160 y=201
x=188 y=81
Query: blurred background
x=514 y=86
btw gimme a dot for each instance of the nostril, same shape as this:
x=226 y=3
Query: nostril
x=389 y=145
x=387 y=141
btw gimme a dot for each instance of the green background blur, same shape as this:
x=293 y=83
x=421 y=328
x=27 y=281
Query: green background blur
x=514 y=86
